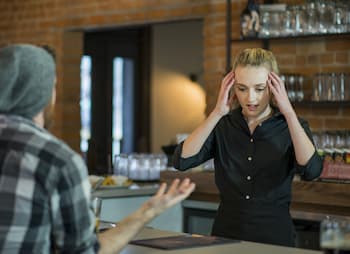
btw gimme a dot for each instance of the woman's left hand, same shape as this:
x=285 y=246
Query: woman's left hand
x=278 y=89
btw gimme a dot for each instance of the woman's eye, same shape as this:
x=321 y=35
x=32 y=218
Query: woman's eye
x=242 y=89
x=260 y=89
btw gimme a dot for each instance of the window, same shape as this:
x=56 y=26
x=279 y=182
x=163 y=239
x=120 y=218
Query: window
x=85 y=102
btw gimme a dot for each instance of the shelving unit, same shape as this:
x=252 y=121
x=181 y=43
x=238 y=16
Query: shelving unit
x=266 y=44
x=266 y=41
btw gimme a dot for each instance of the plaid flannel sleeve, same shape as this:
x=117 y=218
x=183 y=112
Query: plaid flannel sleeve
x=73 y=219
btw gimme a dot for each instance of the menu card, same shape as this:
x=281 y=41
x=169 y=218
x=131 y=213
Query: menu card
x=182 y=241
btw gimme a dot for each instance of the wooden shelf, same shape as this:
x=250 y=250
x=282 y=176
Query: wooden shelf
x=297 y=37
x=322 y=103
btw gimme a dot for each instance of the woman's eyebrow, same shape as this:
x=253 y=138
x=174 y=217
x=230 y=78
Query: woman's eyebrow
x=259 y=84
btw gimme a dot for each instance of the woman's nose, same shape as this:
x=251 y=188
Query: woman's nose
x=252 y=95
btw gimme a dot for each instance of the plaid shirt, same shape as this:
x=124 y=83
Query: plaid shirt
x=44 y=193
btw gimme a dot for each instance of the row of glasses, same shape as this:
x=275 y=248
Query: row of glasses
x=332 y=139
x=313 y=17
x=140 y=166
x=331 y=87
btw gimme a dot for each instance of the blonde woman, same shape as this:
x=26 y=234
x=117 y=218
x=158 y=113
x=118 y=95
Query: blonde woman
x=257 y=148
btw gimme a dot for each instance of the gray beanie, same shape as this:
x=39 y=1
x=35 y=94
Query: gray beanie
x=27 y=75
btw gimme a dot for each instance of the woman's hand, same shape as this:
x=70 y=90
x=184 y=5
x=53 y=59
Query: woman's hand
x=224 y=102
x=278 y=89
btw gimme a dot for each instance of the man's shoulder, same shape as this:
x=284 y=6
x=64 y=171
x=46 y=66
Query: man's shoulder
x=32 y=139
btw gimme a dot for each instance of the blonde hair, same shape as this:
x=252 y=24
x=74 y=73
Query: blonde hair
x=256 y=57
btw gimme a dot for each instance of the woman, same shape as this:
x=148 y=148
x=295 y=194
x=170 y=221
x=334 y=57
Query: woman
x=257 y=149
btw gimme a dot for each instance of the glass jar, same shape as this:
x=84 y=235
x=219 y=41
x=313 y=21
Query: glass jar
x=335 y=236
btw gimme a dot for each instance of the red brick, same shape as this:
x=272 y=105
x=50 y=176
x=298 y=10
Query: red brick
x=337 y=123
x=342 y=57
x=327 y=58
x=337 y=45
x=315 y=123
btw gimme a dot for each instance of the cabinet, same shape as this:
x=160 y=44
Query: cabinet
x=116 y=209
x=311 y=202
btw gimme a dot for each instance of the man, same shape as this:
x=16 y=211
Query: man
x=44 y=187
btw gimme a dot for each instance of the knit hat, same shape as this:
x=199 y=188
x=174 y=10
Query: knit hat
x=27 y=75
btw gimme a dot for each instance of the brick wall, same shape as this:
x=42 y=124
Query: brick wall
x=59 y=24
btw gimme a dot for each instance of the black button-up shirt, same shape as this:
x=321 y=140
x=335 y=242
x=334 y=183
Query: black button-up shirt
x=253 y=172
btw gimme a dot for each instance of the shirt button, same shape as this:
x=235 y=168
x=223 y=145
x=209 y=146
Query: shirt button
x=249 y=158
x=251 y=140
x=247 y=197
x=249 y=178
x=260 y=124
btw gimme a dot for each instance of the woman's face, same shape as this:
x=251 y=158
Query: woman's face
x=252 y=91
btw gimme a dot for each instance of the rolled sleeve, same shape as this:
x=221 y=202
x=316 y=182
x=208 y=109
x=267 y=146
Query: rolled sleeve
x=205 y=153
x=313 y=168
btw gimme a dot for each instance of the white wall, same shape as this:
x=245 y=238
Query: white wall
x=178 y=104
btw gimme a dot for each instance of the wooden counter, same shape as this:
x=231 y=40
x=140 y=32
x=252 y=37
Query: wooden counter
x=310 y=197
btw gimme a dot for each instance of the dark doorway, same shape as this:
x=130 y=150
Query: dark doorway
x=120 y=94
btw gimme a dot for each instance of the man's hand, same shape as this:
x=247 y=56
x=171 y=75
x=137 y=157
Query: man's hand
x=114 y=239
x=163 y=199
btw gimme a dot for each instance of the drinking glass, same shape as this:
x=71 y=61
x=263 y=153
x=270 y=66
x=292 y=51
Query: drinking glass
x=347 y=18
x=334 y=236
x=322 y=12
x=155 y=167
x=120 y=165
x=275 y=23
x=134 y=166
x=334 y=87
x=299 y=19
x=339 y=18
x=299 y=93
x=265 y=25
x=291 y=81
x=317 y=87
x=96 y=206
x=287 y=23
x=327 y=87
x=312 y=18
x=316 y=136
x=342 y=86
x=144 y=167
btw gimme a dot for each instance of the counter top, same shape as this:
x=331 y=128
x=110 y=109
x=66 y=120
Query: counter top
x=147 y=189
x=241 y=247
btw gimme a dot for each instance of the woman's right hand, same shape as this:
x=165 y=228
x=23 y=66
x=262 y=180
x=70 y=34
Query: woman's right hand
x=224 y=101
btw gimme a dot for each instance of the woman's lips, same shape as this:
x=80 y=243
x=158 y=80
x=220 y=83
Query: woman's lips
x=252 y=107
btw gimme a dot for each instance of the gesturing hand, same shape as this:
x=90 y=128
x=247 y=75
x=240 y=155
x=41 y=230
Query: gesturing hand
x=224 y=103
x=177 y=192
x=278 y=89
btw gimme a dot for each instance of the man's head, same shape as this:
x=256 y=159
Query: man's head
x=27 y=78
